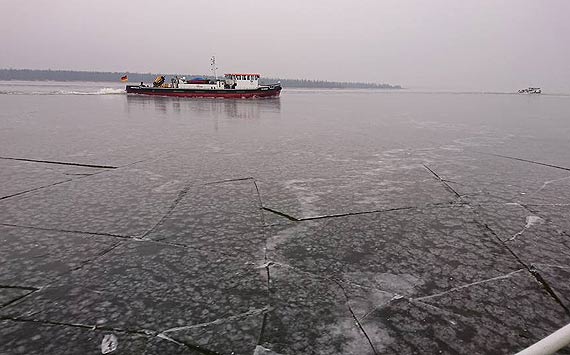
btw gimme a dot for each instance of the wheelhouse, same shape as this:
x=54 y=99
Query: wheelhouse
x=242 y=80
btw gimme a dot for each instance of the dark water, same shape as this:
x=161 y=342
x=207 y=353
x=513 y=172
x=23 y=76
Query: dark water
x=325 y=221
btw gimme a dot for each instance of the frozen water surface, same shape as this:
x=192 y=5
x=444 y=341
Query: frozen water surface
x=323 y=222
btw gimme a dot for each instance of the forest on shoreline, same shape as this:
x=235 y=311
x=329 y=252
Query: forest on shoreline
x=72 y=75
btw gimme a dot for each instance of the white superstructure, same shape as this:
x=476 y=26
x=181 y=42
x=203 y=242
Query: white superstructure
x=237 y=81
x=182 y=83
x=242 y=81
x=530 y=90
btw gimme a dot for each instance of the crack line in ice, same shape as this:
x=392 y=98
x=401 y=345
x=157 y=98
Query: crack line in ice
x=228 y=180
x=78 y=176
x=532 y=271
x=548 y=288
x=549 y=204
x=282 y=214
x=443 y=181
x=429 y=305
x=331 y=279
x=170 y=210
x=190 y=346
x=530 y=221
x=167 y=338
x=446 y=313
x=37 y=188
x=142 y=332
x=20 y=298
x=251 y=312
x=62 y=163
x=266 y=266
x=260 y=201
x=502 y=277
x=347 y=214
x=145 y=332
x=546 y=183
x=26 y=288
x=101 y=170
x=68 y=231
x=127 y=238
x=354 y=316
x=524 y=160
x=96 y=257
x=395 y=297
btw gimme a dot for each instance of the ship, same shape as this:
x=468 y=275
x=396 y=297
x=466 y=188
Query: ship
x=530 y=91
x=233 y=85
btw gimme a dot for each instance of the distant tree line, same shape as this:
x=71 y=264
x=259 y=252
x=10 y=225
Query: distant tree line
x=71 y=75
x=323 y=84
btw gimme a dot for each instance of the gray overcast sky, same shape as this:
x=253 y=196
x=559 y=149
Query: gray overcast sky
x=463 y=44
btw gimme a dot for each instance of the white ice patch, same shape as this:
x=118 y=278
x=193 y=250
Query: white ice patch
x=109 y=344
x=283 y=236
x=530 y=221
x=168 y=187
x=367 y=300
x=305 y=195
x=390 y=283
x=260 y=350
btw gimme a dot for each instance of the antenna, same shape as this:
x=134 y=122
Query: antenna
x=213 y=66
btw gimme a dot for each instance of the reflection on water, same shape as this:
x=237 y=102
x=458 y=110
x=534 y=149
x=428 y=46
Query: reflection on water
x=231 y=108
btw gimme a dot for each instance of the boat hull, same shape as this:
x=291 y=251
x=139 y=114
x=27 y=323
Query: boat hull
x=263 y=92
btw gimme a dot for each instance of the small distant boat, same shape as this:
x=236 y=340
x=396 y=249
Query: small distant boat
x=530 y=91
x=234 y=85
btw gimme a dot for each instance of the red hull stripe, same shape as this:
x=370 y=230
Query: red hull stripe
x=229 y=95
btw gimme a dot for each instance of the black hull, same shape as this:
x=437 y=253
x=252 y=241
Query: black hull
x=269 y=91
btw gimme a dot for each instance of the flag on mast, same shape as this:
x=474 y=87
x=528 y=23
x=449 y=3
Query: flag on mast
x=125 y=78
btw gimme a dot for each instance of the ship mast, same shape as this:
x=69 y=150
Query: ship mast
x=213 y=66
